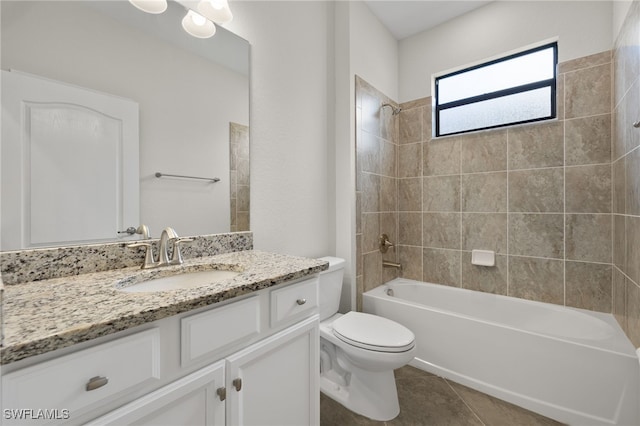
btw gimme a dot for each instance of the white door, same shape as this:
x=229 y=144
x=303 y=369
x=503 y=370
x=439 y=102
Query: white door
x=190 y=401
x=275 y=381
x=70 y=169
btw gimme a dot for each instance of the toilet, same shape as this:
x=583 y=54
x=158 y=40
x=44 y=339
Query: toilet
x=359 y=351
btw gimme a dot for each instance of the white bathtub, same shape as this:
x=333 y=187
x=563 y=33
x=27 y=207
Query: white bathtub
x=572 y=365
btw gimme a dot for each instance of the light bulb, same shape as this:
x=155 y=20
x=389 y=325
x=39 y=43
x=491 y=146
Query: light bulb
x=198 y=19
x=197 y=25
x=150 y=6
x=215 y=10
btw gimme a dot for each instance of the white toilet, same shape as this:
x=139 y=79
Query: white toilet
x=358 y=352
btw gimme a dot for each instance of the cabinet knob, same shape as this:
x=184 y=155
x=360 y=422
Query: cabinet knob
x=222 y=393
x=96 y=382
x=301 y=301
x=237 y=383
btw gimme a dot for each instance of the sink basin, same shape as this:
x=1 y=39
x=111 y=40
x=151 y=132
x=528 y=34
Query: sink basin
x=179 y=281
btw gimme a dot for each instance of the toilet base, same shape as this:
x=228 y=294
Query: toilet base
x=370 y=394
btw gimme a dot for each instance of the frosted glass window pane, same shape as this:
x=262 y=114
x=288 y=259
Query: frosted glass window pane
x=519 y=107
x=531 y=68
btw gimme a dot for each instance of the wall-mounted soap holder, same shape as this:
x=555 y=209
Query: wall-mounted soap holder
x=483 y=257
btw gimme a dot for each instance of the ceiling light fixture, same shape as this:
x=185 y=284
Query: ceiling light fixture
x=217 y=11
x=150 y=6
x=197 y=25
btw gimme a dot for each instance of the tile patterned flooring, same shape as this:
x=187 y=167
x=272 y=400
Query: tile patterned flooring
x=426 y=399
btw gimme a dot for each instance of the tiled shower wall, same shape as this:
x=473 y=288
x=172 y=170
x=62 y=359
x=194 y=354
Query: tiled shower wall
x=626 y=176
x=239 y=176
x=539 y=195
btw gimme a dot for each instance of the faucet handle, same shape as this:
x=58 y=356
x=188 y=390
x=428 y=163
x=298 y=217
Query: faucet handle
x=149 y=261
x=176 y=256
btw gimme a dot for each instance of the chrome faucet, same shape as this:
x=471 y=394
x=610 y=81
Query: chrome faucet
x=168 y=236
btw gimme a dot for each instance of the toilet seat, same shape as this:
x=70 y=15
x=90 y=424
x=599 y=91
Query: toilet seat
x=373 y=333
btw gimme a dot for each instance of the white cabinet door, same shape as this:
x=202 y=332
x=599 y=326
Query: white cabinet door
x=69 y=163
x=190 y=401
x=275 y=381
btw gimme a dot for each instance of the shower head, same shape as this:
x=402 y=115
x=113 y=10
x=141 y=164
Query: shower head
x=394 y=110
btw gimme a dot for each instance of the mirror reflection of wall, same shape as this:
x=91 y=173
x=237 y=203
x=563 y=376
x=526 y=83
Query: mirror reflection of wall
x=186 y=100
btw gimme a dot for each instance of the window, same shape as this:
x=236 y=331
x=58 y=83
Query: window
x=518 y=88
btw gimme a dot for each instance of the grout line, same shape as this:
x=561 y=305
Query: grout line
x=464 y=402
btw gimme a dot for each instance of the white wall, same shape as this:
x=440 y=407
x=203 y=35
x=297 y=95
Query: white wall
x=583 y=28
x=186 y=102
x=620 y=10
x=292 y=196
x=364 y=47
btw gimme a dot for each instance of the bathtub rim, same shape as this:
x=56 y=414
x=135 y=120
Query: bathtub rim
x=629 y=351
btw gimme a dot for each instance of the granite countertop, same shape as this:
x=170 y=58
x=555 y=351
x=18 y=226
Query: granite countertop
x=43 y=316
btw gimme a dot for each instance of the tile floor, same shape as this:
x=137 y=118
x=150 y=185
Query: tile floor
x=426 y=399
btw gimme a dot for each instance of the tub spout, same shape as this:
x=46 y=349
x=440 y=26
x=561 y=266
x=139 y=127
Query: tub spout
x=387 y=264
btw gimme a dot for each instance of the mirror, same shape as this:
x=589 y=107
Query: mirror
x=193 y=98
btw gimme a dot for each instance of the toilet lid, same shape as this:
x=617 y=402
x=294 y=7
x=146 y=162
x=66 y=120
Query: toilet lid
x=373 y=332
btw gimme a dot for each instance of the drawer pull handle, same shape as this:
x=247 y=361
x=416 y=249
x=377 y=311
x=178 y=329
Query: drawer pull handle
x=301 y=301
x=222 y=393
x=96 y=382
x=237 y=383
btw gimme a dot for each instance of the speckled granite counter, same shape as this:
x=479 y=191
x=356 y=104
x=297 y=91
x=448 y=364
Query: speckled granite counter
x=42 y=316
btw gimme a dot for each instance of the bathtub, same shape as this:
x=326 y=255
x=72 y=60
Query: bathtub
x=572 y=365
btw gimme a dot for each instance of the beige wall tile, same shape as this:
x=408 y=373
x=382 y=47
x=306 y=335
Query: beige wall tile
x=536 y=190
x=410 y=229
x=441 y=156
x=410 y=125
x=619 y=242
x=536 y=279
x=359 y=264
x=441 y=230
x=619 y=303
x=417 y=103
x=536 y=145
x=388 y=123
x=488 y=279
x=411 y=260
x=588 y=91
x=243 y=200
x=484 y=152
x=588 y=140
x=632 y=234
x=618 y=129
x=388 y=159
x=484 y=192
x=389 y=226
x=410 y=194
x=372 y=269
x=441 y=194
x=539 y=235
x=560 y=97
x=427 y=118
x=388 y=194
x=370 y=184
x=370 y=113
x=631 y=111
x=358 y=212
x=243 y=221
x=619 y=186
x=585 y=62
x=632 y=183
x=588 y=237
x=588 y=286
x=633 y=313
x=370 y=231
x=441 y=266
x=410 y=160
x=368 y=146
x=588 y=189
x=484 y=231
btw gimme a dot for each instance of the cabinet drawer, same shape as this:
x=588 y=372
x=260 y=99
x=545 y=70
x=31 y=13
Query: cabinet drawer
x=213 y=330
x=294 y=301
x=62 y=383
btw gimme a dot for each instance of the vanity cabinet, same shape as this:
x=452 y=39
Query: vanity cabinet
x=228 y=364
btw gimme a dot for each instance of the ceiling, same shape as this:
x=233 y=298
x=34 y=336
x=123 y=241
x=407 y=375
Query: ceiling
x=406 y=18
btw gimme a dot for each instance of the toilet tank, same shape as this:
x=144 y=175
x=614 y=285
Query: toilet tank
x=330 y=287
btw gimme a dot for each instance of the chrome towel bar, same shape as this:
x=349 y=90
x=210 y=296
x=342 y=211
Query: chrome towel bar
x=213 y=180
